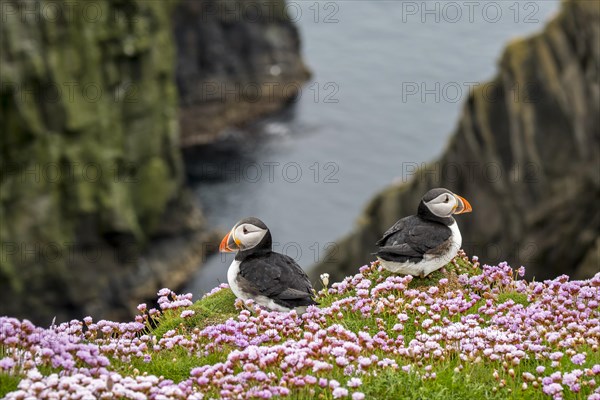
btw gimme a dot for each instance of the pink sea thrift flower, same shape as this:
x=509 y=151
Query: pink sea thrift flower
x=187 y=313
x=578 y=359
x=354 y=382
x=340 y=392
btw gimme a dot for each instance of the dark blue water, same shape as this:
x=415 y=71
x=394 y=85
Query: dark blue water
x=389 y=83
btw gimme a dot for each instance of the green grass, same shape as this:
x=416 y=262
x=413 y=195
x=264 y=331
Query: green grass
x=209 y=311
x=173 y=364
x=8 y=383
x=447 y=385
x=518 y=298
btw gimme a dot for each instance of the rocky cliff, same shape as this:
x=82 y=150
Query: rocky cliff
x=237 y=60
x=94 y=214
x=525 y=153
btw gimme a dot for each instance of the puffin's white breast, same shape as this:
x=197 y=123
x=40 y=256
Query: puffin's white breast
x=455 y=237
x=232 y=274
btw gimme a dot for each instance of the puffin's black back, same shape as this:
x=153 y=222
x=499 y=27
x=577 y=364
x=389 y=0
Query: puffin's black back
x=278 y=277
x=411 y=238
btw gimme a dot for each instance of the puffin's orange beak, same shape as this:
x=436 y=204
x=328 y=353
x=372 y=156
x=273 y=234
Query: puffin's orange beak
x=464 y=206
x=228 y=244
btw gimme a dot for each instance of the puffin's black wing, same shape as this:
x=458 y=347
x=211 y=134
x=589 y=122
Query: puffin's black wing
x=411 y=238
x=398 y=227
x=400 y=253
x=278 y=277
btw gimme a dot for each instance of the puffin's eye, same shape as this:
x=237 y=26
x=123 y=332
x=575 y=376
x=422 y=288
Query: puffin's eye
x=245 y=230
x=447 y=199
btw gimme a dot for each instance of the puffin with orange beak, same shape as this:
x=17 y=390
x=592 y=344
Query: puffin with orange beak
x=423 y=243
x=273 y=280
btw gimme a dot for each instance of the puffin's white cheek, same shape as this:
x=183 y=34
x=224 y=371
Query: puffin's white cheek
x=442 y=209
x=239 y=233
x=253 y=238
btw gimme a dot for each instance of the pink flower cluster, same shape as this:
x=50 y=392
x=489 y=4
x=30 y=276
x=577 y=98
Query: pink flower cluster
x=62 y=347
x=168 y=299
x=553 y=326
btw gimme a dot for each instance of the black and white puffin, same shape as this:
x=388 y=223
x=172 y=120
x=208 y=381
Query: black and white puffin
x=423 y=243
x=272 y=280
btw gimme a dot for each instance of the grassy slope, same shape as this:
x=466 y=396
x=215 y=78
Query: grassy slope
x=474 y=381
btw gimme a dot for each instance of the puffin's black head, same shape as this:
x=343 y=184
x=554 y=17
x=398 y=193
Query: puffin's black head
x=248 y=234
x=442 y=203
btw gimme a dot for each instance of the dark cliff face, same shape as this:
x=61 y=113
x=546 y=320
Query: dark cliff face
x=237 y=60
x=94 y=215
x=526 y=154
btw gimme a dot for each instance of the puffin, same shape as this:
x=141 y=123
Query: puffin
x=422 y=243
x=273 y=280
